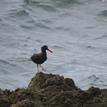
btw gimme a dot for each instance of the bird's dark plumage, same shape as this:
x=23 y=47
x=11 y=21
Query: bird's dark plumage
x=40 y=58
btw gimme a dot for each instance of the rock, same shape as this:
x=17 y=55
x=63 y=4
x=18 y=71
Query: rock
x=41 y=81
x=94 y=91
x=24 y=103
x=50 y=90
x=70 y=82
x=5 y=102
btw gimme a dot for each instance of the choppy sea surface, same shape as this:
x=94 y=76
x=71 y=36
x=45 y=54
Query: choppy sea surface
x=75 y=30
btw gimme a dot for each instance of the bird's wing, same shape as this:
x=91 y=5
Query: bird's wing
x=36 y=56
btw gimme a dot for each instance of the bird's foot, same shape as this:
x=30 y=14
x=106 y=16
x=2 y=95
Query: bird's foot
x=43 y=69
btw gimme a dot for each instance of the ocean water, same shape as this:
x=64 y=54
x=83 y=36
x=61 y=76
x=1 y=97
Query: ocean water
x=75 y=30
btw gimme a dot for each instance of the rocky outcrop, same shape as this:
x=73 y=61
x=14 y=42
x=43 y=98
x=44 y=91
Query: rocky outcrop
x=50 y=90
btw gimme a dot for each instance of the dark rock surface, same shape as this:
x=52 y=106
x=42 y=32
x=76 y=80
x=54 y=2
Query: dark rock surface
x=50 y=90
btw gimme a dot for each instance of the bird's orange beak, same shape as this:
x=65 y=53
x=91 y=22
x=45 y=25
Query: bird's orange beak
x=49 y=50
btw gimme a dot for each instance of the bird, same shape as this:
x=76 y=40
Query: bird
x=40 y=58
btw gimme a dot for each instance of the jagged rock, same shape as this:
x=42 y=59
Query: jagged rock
x=41 y=81
x=50 y=90
x=94 y=91
x=24 y=103
x=4 y=102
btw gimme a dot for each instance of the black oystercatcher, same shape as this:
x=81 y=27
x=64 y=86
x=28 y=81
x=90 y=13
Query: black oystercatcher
x=40 y=58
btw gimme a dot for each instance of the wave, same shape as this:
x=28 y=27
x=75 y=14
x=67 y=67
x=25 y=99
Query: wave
x=101 y=37
x=31 y=1
x=66 y=3
x=93 y=78
x=55 y=3
x=6 y=62
x=26 y=21
x=103 y=13
x=57 y=47
x=18 y=13
x=44 y=6
x=47 y=7
x=5 y=67
x=96 y=81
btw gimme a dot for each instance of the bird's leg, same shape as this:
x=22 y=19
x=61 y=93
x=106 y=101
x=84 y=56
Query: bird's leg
x=38 y=67
x=42 y=68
